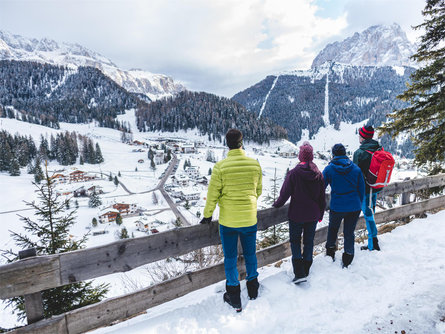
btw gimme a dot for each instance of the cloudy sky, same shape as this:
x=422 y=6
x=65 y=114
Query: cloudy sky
x=218 y=46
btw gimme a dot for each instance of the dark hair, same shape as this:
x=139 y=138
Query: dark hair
x=234 y=138
x=338 y=149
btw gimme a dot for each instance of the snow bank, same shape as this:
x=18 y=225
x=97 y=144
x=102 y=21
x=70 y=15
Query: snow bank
x=399 y=288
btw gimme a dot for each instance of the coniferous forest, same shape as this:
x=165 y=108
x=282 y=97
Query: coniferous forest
x=210 y=114
x=46 y=94
x=20 y=151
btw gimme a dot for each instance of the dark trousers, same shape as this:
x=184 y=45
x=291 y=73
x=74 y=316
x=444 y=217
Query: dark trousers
x=308 y=231
x=350 y=221
x=229 y=239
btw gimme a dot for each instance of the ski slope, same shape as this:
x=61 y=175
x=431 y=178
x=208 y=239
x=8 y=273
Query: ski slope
x=401 y=288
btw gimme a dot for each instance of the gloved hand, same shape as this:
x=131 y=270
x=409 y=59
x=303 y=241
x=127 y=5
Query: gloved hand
x=206 y=220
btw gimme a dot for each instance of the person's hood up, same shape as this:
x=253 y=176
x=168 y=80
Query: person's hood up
x=342 y=164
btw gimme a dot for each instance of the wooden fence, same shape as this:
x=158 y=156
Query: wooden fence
x=31 y=275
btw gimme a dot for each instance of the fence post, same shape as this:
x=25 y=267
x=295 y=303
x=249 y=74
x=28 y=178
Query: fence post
x=406 y=200
x=406 y=196
x=33 y=301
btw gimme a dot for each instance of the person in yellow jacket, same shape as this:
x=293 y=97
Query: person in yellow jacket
x=235 y=185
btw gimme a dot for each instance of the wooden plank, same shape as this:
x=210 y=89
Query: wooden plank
x=56 y=324
x=125 y=255
x=413 y=185
x=29 y=275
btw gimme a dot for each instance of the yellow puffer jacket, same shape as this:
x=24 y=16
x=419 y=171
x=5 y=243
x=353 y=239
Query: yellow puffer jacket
x=235 y=185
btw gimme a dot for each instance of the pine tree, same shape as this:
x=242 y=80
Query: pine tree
x=123 y=233
x=94 y=200
x=424 y=119
x=99 y=157
x=116 y=181
x=81 y=160
x=119 y=219
x=110 y=177
x=276 y=233
x=210 y=172
x=49 y=234
x=14 y=167
x=38 y=172
x=94 y=222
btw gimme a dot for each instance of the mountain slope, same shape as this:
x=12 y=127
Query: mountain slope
x=15 y=47
x=330 y=92
x=47 y=94
x=376 y=46
x=210 y=114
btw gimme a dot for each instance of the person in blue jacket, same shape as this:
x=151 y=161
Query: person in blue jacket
x=347 y=193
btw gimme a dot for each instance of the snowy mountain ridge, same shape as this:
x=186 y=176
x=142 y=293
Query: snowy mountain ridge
x=379 y=45
x=16 y=47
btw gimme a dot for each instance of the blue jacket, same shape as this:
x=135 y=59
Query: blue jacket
x=347 y=184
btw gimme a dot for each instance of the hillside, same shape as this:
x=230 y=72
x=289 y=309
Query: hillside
x=326 y=96
x=48 y=94
x=16 y=47
x=210 y=114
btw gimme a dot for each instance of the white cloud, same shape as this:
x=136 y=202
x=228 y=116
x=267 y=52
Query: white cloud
x=220 y=46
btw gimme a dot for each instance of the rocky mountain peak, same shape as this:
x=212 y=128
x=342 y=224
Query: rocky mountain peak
x=379 y=45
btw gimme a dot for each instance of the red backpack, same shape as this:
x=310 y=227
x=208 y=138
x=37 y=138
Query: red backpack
x=380 y=169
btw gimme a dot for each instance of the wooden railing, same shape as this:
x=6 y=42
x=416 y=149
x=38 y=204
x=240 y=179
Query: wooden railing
x=28 y=277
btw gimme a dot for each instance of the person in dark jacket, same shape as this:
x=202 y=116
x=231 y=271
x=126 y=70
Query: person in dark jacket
x=305 y=186
x=347 y=193
x=362 y=158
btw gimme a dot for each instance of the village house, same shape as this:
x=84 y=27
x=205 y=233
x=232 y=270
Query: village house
x=159 y=157
x=80 y=192
x=142 y=226
x=288 y=154
x=124 y=208
x=188 y=148
x=94 y=189
x=181 y=180
x=59 y=178
x=108 y=216
x=77 y=176
x=192 y=172
x=190 y=195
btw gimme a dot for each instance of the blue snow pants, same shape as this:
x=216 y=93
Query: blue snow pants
x=308 y=231
x=229 y=239
x=369 y=218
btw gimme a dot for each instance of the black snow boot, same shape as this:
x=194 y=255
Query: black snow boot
x=347 y=259
x=375 y=243
x=252 y=288
x=307 y=266
x=300 y=275
x=331 y=252
x=233 y=297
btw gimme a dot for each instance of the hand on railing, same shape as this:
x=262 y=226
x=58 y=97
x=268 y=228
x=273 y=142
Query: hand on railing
x=206 y=220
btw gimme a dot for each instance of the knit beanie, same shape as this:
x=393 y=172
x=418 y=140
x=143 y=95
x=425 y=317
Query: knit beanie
x=338 y=149
x=234 y=138
x=306 y=152
x=366 y=132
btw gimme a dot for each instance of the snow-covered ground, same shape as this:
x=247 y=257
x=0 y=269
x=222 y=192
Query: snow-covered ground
x=121 y=158
x=398 y=290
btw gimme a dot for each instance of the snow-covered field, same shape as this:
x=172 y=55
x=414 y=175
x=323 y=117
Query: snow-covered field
x=401 y=288
x=121 y=158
